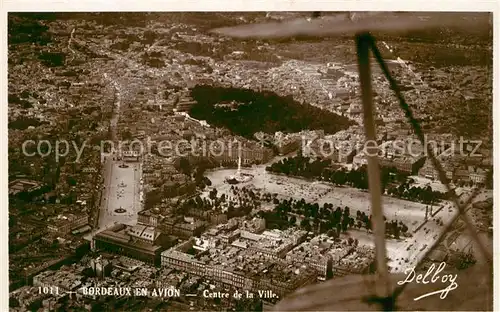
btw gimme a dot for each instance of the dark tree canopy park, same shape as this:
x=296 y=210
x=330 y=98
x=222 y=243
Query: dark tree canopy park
x=261 y=111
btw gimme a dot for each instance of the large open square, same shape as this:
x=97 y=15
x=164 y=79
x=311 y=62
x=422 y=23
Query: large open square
x=121 y=198
x=405 y=251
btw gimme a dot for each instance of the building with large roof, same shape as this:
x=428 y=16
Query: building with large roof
x=139 y=242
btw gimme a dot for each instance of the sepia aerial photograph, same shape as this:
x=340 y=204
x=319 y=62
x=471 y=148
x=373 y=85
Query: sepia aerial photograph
x=250 y=161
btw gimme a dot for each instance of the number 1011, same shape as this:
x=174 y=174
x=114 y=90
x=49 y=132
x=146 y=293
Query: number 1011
x=50 y=290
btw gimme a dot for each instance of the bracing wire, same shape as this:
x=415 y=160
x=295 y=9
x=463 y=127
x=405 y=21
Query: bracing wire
x=366 y=42
x=430 y=152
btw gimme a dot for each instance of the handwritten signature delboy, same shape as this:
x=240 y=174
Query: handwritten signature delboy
x=431 y=278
